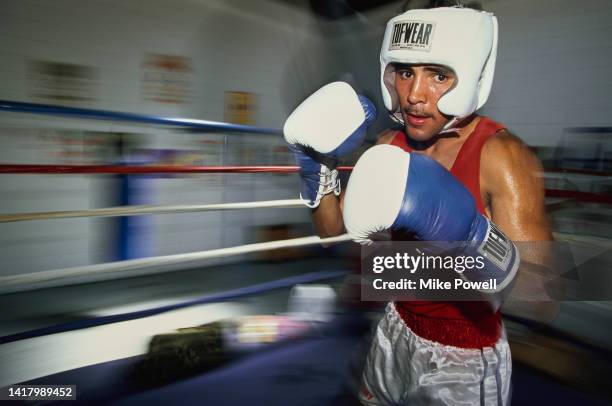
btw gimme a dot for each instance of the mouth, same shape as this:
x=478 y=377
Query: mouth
x=417 y=119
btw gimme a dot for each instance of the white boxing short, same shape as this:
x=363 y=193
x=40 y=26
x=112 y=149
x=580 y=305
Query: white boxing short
x=405 y=369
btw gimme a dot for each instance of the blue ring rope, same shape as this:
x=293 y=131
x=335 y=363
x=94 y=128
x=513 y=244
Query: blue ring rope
x=214 y=298
x=202 y=125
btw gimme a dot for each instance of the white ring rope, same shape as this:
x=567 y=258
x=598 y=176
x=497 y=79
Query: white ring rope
x=141 y=266
x=148 y=209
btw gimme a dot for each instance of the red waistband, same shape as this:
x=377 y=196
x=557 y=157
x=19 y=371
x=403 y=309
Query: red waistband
x=462 y=333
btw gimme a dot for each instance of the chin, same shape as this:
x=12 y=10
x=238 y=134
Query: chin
x=421 y=134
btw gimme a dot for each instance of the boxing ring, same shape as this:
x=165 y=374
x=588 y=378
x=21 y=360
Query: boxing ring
x=329 y=348
x=317 y=368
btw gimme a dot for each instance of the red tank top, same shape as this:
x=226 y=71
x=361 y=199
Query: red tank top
x=460 y=324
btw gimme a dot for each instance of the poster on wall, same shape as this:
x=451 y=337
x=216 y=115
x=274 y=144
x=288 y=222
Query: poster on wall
x=58 y=82
x=240 y=108
x=166 y=78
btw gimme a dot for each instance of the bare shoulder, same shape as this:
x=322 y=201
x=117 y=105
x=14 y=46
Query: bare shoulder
x=385 y=137
x=505 y=153
x=504 y=142
x=511 y=177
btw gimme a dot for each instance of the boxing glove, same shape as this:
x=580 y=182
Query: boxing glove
x=329 y=124
x=391 y=189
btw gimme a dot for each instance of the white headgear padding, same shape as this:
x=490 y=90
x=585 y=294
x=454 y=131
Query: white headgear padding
x=463 y=39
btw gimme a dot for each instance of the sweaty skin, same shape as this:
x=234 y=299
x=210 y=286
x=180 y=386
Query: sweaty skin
x=511 y=181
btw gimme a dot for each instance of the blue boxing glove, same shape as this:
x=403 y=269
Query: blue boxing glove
x=329 y=124
x=415 y=194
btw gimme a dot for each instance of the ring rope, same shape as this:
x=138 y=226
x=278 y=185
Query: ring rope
x=152 y=169
x=138 y=314
x=134 y=267
x=122 y=211
x=145 y=169
x=77 y=112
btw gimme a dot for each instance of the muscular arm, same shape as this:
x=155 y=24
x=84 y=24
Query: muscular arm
x=512 y=178
x=327 y=218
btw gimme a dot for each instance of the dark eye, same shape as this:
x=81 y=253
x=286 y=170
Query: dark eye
x=441 y=77
x=404 y=73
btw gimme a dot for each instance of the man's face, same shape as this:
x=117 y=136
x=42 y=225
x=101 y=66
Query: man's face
x=419 y=87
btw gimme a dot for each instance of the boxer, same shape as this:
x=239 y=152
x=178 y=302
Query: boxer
x=450 y=174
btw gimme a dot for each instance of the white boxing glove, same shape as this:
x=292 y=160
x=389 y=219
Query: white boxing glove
x=329 y=124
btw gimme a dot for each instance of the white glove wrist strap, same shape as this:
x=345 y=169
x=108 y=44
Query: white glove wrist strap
x=328 y=183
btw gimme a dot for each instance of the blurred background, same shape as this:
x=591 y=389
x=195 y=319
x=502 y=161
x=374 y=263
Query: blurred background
x=250 y=63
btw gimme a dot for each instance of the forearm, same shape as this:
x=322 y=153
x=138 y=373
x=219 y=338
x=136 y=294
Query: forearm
x=515 y=184
x=327 y=218
x=537 y=286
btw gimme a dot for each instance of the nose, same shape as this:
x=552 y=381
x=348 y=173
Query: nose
x=417 y=90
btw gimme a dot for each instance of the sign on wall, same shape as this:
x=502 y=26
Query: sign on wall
x=58 y=81
x=166 y=78
x=240 y=107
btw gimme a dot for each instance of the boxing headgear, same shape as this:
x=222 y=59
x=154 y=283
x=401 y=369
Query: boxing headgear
x=463 y=39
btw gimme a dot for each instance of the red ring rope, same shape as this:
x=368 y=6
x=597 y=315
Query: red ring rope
x=144 y=169
x=169 y=169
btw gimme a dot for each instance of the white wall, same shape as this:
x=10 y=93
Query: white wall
x=234 y=45
x=553 y=67
x=261 y=47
